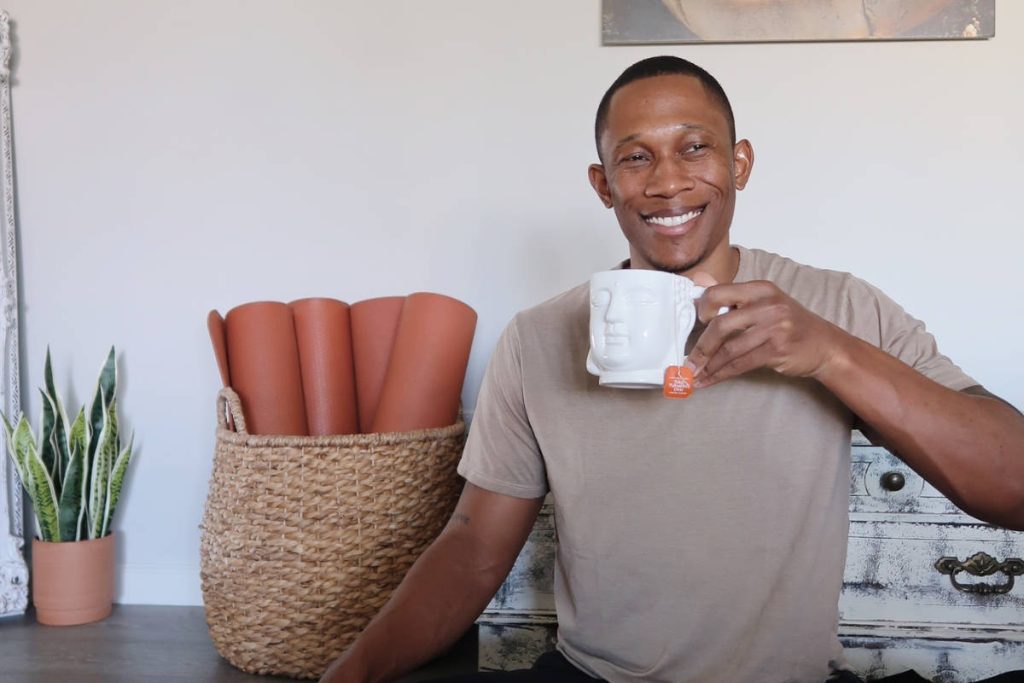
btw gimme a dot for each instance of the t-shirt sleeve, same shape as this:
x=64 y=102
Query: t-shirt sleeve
x=502 y=454
x=905 y=337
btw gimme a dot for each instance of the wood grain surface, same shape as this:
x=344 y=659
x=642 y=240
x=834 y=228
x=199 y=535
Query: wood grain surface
x=146 y=644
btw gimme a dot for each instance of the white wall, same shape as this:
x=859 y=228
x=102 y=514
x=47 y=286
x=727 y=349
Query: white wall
x=174 y=157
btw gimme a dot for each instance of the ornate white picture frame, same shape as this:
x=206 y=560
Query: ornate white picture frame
x=13 y=572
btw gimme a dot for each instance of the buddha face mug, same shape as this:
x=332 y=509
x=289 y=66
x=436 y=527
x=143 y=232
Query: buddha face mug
x=639 y=323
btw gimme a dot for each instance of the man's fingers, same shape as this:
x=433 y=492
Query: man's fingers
x=716 y=333
x=732 y=296
x=735 y=347
x=756 y=358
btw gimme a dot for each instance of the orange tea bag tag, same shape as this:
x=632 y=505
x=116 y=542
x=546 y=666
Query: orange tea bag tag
x=678 y=381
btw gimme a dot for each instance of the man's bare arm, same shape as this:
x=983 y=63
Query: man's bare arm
x=446 y=589
x=968 y=444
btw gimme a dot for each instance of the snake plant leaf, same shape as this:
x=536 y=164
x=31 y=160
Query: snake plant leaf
x=15 y=457
x=8 y=429
x=81 y=441
x=106 y=387
x=60 y=423
x=47 y=450
x=78 y=436
x=71 y=496
x=21 y=440
x=103 y=460
x=43 y=496
x=115 y=484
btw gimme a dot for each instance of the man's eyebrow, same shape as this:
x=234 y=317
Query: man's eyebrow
x=688 y=126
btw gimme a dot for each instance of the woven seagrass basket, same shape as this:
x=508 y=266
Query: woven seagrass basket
x=304 y=538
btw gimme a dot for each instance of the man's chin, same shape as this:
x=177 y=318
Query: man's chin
x=674 y=267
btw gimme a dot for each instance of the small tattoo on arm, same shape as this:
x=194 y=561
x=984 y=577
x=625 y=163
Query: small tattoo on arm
x=460 y=518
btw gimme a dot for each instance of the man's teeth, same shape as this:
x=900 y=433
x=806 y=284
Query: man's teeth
x=673 y=221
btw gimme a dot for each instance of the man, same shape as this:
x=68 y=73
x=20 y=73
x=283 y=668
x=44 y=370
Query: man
x=704 y=539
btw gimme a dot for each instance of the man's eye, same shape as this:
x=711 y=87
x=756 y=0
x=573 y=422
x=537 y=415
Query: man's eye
x=696 y=147
x=636 y=158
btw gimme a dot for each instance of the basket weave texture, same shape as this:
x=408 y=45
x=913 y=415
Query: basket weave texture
x=304 y=538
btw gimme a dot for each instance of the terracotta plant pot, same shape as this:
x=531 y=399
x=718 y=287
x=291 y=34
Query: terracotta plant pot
x=73 y=582
x=325 y=357
x=374 y=327
x=264 y=360
x=428 y=364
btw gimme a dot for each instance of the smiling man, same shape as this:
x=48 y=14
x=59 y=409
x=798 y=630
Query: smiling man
x=699 y=540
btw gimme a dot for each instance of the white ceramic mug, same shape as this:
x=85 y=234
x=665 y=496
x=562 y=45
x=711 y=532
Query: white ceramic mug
x=639 y=323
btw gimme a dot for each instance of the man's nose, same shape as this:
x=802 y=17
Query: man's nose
x=668 y=178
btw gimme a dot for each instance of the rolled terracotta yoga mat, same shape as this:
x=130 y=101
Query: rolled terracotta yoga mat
x=374 y=326
x=325 y=358
x=218 y=336
x=264 y=360
x=428 y=364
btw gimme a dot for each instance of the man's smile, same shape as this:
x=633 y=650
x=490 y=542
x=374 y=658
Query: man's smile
x=672 y=221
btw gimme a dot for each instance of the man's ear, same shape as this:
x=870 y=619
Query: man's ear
x=742 y=162
x=599 y=181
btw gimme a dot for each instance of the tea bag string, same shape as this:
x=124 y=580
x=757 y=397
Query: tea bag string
x=677 y=312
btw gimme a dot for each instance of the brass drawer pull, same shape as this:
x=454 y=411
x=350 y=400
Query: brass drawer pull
x=981 y=564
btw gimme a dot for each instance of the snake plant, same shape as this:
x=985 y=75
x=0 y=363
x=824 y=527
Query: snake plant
x=74 y=473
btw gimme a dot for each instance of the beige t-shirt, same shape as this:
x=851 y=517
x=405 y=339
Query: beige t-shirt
x=700 y=539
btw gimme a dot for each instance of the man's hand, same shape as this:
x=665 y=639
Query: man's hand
x=764 y=328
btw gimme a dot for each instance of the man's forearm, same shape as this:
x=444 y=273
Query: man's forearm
x=435 y=604
x=969 y=447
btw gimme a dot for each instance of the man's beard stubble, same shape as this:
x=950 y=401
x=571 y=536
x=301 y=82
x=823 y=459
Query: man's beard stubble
x=674 y=268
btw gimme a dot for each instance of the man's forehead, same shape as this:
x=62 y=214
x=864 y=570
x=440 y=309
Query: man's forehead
x=666 y=129
x=663 y=110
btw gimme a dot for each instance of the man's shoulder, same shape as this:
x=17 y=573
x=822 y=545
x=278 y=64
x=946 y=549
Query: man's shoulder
x=836 y=295
x=761 y=264
x=564 y=306
x=796 y=278
x=558 y=322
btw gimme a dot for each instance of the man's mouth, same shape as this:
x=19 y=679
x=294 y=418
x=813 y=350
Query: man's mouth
x=673 y=220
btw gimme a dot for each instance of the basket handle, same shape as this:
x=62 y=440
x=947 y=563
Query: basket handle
x=229 y=411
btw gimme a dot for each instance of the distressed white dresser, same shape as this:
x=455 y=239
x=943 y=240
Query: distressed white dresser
x=926 y=587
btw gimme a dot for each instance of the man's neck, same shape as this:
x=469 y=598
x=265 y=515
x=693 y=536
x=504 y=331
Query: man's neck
x=722 y=265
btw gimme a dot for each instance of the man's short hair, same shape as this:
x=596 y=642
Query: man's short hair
x=664 y=65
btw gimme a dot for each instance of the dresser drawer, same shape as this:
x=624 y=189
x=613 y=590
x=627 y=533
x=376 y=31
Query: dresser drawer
x=891 y=574
x=880 y=483
x=942 y=656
